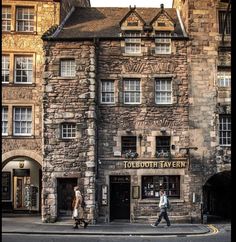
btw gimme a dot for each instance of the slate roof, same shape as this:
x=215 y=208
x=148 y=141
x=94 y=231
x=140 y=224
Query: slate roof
x=105 y=22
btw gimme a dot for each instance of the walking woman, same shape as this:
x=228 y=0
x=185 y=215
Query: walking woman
x=78 y=210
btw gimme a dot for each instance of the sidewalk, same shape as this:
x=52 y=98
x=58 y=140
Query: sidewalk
x=33 y=225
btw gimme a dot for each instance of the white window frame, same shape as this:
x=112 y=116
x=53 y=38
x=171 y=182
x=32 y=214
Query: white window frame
x=6 y=18
x=27 y=19
x=163 y=90
x=68 y=130
x=4 y=121
x=107 y=91
x=26 y=67
x=225 y=130
x=5 y=68
x=163 y=45
x=67 y=68
x=224 y=78
x=133 y=42
x=26 y=120
x=132 y=90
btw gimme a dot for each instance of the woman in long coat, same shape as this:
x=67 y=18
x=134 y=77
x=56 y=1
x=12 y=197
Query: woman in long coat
x=78 y=210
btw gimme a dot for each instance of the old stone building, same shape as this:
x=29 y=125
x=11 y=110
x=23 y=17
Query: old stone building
x=116 y=112
x=138 y=99
x=23 y=23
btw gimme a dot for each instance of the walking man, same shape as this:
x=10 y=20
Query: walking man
x=163 y=210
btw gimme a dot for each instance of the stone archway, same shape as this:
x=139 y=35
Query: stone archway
x=6 y=157
x=217 y=196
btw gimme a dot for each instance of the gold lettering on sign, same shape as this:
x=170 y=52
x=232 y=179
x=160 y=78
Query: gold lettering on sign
x=154 y=164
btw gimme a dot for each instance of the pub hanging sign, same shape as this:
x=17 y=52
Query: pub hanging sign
x=154 y=164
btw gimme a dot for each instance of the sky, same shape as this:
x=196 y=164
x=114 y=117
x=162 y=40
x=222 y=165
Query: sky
x=127 y=3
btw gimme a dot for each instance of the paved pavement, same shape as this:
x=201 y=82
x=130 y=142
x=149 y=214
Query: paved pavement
x=31 y=224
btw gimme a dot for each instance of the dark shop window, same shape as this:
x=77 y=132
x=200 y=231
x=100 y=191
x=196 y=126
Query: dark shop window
x=151 y=186
x=128 y=143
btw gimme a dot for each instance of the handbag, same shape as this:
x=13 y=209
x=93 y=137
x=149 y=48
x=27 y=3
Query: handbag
x=75 y=213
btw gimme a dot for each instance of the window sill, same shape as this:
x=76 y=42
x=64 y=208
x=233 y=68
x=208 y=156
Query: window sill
x=22 y=32
x=21 y=137
x=154 y=200
x=132 y=54
x=67 y=77
x=22 y=84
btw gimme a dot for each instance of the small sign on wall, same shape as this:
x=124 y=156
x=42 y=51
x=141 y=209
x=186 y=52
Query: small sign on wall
x=135 y=192
x=104 y=195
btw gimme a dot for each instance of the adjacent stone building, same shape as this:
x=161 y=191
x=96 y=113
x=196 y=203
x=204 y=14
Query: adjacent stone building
x=23 y=24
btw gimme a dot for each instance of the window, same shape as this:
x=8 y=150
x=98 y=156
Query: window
x=68 y=131
x=25 y=19
x=163 y=145
x=22 y=120
x=4 y=120
x=67 y=68
x=5 y=68
x=163 y=91
x=23 y=69
x=132 y=93
x=225 y=130
x=132 y=42
x=128 y=143
x=107 y=91
x=6 y=18
x=224 y=79
x=151 y=186
x=227 y=29
x=163 y=45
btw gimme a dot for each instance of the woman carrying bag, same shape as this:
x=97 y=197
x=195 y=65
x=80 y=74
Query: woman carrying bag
x=78 y=210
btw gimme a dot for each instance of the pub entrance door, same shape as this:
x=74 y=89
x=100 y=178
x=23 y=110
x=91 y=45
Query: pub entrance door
x=65 y=195
x=119 y=197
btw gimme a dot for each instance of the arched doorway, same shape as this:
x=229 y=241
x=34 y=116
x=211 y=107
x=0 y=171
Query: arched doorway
x=217 y=196
x=21 y=185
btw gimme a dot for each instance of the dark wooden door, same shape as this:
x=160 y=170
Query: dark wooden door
x=120 y=197
x=65 y=194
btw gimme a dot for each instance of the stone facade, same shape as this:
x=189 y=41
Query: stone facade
x=206 y=55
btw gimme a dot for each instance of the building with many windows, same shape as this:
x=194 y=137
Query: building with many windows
x=23 y=24
x=136 y=100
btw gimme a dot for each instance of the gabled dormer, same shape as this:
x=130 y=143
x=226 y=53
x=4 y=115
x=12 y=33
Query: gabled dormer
x=132 y=21
x=163 y=21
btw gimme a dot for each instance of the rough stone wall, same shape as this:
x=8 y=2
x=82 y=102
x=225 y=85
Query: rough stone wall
x=20 y=43
x=202 y=27
x=69 y=100
x=146 y=118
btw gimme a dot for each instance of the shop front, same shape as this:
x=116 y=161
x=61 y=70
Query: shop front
x=132 y=188
x=21 y=185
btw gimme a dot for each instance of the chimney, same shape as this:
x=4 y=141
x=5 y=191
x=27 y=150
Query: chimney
x=162 y=6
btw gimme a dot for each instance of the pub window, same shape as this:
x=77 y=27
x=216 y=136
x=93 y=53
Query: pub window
x=68 y=131
x=151 y=186
x=6 y=18
x=25 y=19
x=23 y=69
x=22 y=121
x=224 y=78
x=163 y=91
x=132 y=42
x=227 y=27
x=163 y=144
x=68 y=68
x=5 y=68
x=4 y=120
x=225 y=130
x=107 y=91
x=132 y=91
x=128 y=143
x=163 y=45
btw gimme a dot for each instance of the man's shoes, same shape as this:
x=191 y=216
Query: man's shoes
x=153 y=225
x=75 y=227
x=168 y=225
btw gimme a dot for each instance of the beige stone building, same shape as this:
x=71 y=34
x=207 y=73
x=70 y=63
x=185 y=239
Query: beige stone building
x=23 y=24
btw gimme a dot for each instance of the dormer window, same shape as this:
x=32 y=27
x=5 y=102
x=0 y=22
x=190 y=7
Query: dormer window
x=163 y=45
x=132 y=42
